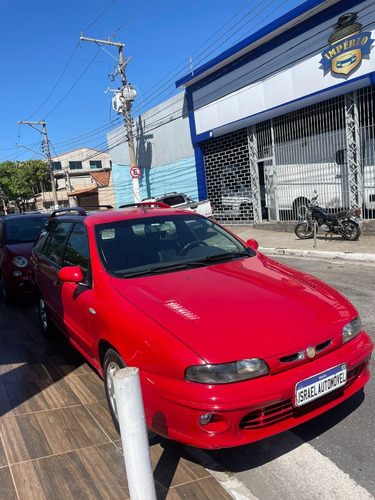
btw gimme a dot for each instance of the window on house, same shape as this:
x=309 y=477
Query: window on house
x=75 y=165
x=56 y=165
x=95 y=164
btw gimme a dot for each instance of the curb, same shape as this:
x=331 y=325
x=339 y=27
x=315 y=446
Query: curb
x=359 y=257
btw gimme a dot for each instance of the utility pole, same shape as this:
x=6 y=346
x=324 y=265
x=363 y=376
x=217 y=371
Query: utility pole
x=49 y=161
x=126 y=96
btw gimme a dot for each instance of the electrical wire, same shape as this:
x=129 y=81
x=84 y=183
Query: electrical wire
x=99 y=16
x=200 y=54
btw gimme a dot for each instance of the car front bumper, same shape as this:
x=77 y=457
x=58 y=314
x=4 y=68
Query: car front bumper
x=248 y=411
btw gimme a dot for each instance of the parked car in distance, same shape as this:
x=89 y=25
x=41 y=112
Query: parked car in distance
x=17 y=235
x=231 y=346
x=181 y=200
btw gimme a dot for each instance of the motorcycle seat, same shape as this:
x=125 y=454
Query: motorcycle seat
x=338 y=215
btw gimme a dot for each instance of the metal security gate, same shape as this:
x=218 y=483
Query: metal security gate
x=366 y=118
x=268 y=171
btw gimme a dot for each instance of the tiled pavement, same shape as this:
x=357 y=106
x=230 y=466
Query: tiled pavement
x=57 y=440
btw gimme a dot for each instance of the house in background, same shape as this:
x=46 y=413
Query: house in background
x=83 y=177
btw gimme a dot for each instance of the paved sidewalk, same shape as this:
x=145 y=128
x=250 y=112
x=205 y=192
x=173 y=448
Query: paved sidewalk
x=57 y=440
x=282 y=242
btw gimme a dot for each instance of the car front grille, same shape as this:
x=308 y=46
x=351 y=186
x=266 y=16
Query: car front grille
x=270 y=415
x=291 y=358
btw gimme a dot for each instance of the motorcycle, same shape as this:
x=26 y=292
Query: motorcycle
x=345 y=223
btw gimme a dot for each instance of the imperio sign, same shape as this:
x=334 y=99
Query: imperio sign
x=347 y=45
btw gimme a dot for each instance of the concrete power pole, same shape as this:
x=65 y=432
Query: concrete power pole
x=49 y=161
x=127 y=95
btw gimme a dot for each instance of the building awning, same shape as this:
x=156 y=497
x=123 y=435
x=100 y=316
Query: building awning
x=83 y=191
x=102 y=178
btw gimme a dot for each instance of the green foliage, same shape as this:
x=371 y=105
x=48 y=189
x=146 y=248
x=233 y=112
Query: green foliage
x=21 y=182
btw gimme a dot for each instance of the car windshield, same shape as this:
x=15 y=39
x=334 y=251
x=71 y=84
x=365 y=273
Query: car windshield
x=153 y=245
x=23 y=230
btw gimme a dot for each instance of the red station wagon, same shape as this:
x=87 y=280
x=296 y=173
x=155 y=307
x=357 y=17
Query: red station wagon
x=231 y=346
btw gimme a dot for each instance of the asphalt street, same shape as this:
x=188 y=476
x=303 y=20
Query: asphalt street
x=332 y=456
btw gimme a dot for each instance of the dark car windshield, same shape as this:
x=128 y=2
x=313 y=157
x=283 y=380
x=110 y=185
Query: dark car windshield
x=163 y=244
x=23 y=230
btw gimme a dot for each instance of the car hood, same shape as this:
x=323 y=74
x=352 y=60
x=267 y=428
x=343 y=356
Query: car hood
x=253 y=307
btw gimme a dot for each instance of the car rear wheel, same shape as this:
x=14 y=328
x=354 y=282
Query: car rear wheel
x=4 y=292
x=44 y=319
x=112 y=363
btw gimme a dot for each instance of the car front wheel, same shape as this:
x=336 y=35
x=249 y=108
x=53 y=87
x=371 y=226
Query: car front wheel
x=112 y=363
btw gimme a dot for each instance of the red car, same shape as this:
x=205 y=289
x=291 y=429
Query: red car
x=231 y=346
x=17 y=236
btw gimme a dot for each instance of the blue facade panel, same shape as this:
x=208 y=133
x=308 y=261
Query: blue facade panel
x=179 y=176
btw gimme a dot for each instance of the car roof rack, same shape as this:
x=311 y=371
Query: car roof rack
x=146 y=204
x=61 y=211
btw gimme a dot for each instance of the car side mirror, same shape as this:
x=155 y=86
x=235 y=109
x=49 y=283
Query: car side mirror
x=252 y=244
x=71 y=273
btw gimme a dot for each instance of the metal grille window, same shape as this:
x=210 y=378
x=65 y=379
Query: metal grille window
x=327 y=148
x=229 y=185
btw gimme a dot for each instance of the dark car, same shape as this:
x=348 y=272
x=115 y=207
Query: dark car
x=231 y=346
x=17 y=235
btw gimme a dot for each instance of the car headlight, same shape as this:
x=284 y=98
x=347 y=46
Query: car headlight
x=20 y=261
x=351 y=329
x=227 y=373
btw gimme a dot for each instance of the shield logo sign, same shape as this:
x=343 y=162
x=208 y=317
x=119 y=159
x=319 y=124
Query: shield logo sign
x=348 y=44
x=345 y=63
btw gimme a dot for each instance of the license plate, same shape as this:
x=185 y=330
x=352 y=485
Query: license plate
x=317 y=386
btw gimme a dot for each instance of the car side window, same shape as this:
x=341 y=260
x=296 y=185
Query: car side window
x=44 y=234
x=54 y=249
x=77 y=249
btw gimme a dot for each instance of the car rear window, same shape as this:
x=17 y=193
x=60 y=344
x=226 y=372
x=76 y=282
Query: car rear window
x=23 y=230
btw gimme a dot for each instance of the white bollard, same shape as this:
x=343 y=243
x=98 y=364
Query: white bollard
x=134 y=435
x=315 y=231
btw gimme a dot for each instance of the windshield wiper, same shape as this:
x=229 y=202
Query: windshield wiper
x=184 y=265
x=162 y=269
x=223 y=256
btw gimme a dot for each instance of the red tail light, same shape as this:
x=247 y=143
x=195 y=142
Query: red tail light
x=358 y=212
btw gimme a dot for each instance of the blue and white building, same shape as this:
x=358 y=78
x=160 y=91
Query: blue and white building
x=286 y=112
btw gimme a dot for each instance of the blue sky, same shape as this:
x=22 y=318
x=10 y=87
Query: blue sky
x=48 y=74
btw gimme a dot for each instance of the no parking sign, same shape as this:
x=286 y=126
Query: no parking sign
x=135 y=172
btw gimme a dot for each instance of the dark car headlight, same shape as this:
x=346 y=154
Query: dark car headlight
x=20 y=261
x=227 y=373
x=351 y=329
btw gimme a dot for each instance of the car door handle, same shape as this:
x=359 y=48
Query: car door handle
x=57 y=284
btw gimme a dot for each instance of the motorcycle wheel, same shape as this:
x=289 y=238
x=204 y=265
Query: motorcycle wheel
x=304 y=230
x=350 y=231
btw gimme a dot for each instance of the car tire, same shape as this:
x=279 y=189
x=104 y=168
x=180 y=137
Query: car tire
x=6 y=296
x=44 y=318
x=111 y=364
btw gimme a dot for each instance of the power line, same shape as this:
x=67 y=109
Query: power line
x=99 y=16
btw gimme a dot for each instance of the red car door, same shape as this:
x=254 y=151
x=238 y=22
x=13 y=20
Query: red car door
x=77 y=298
